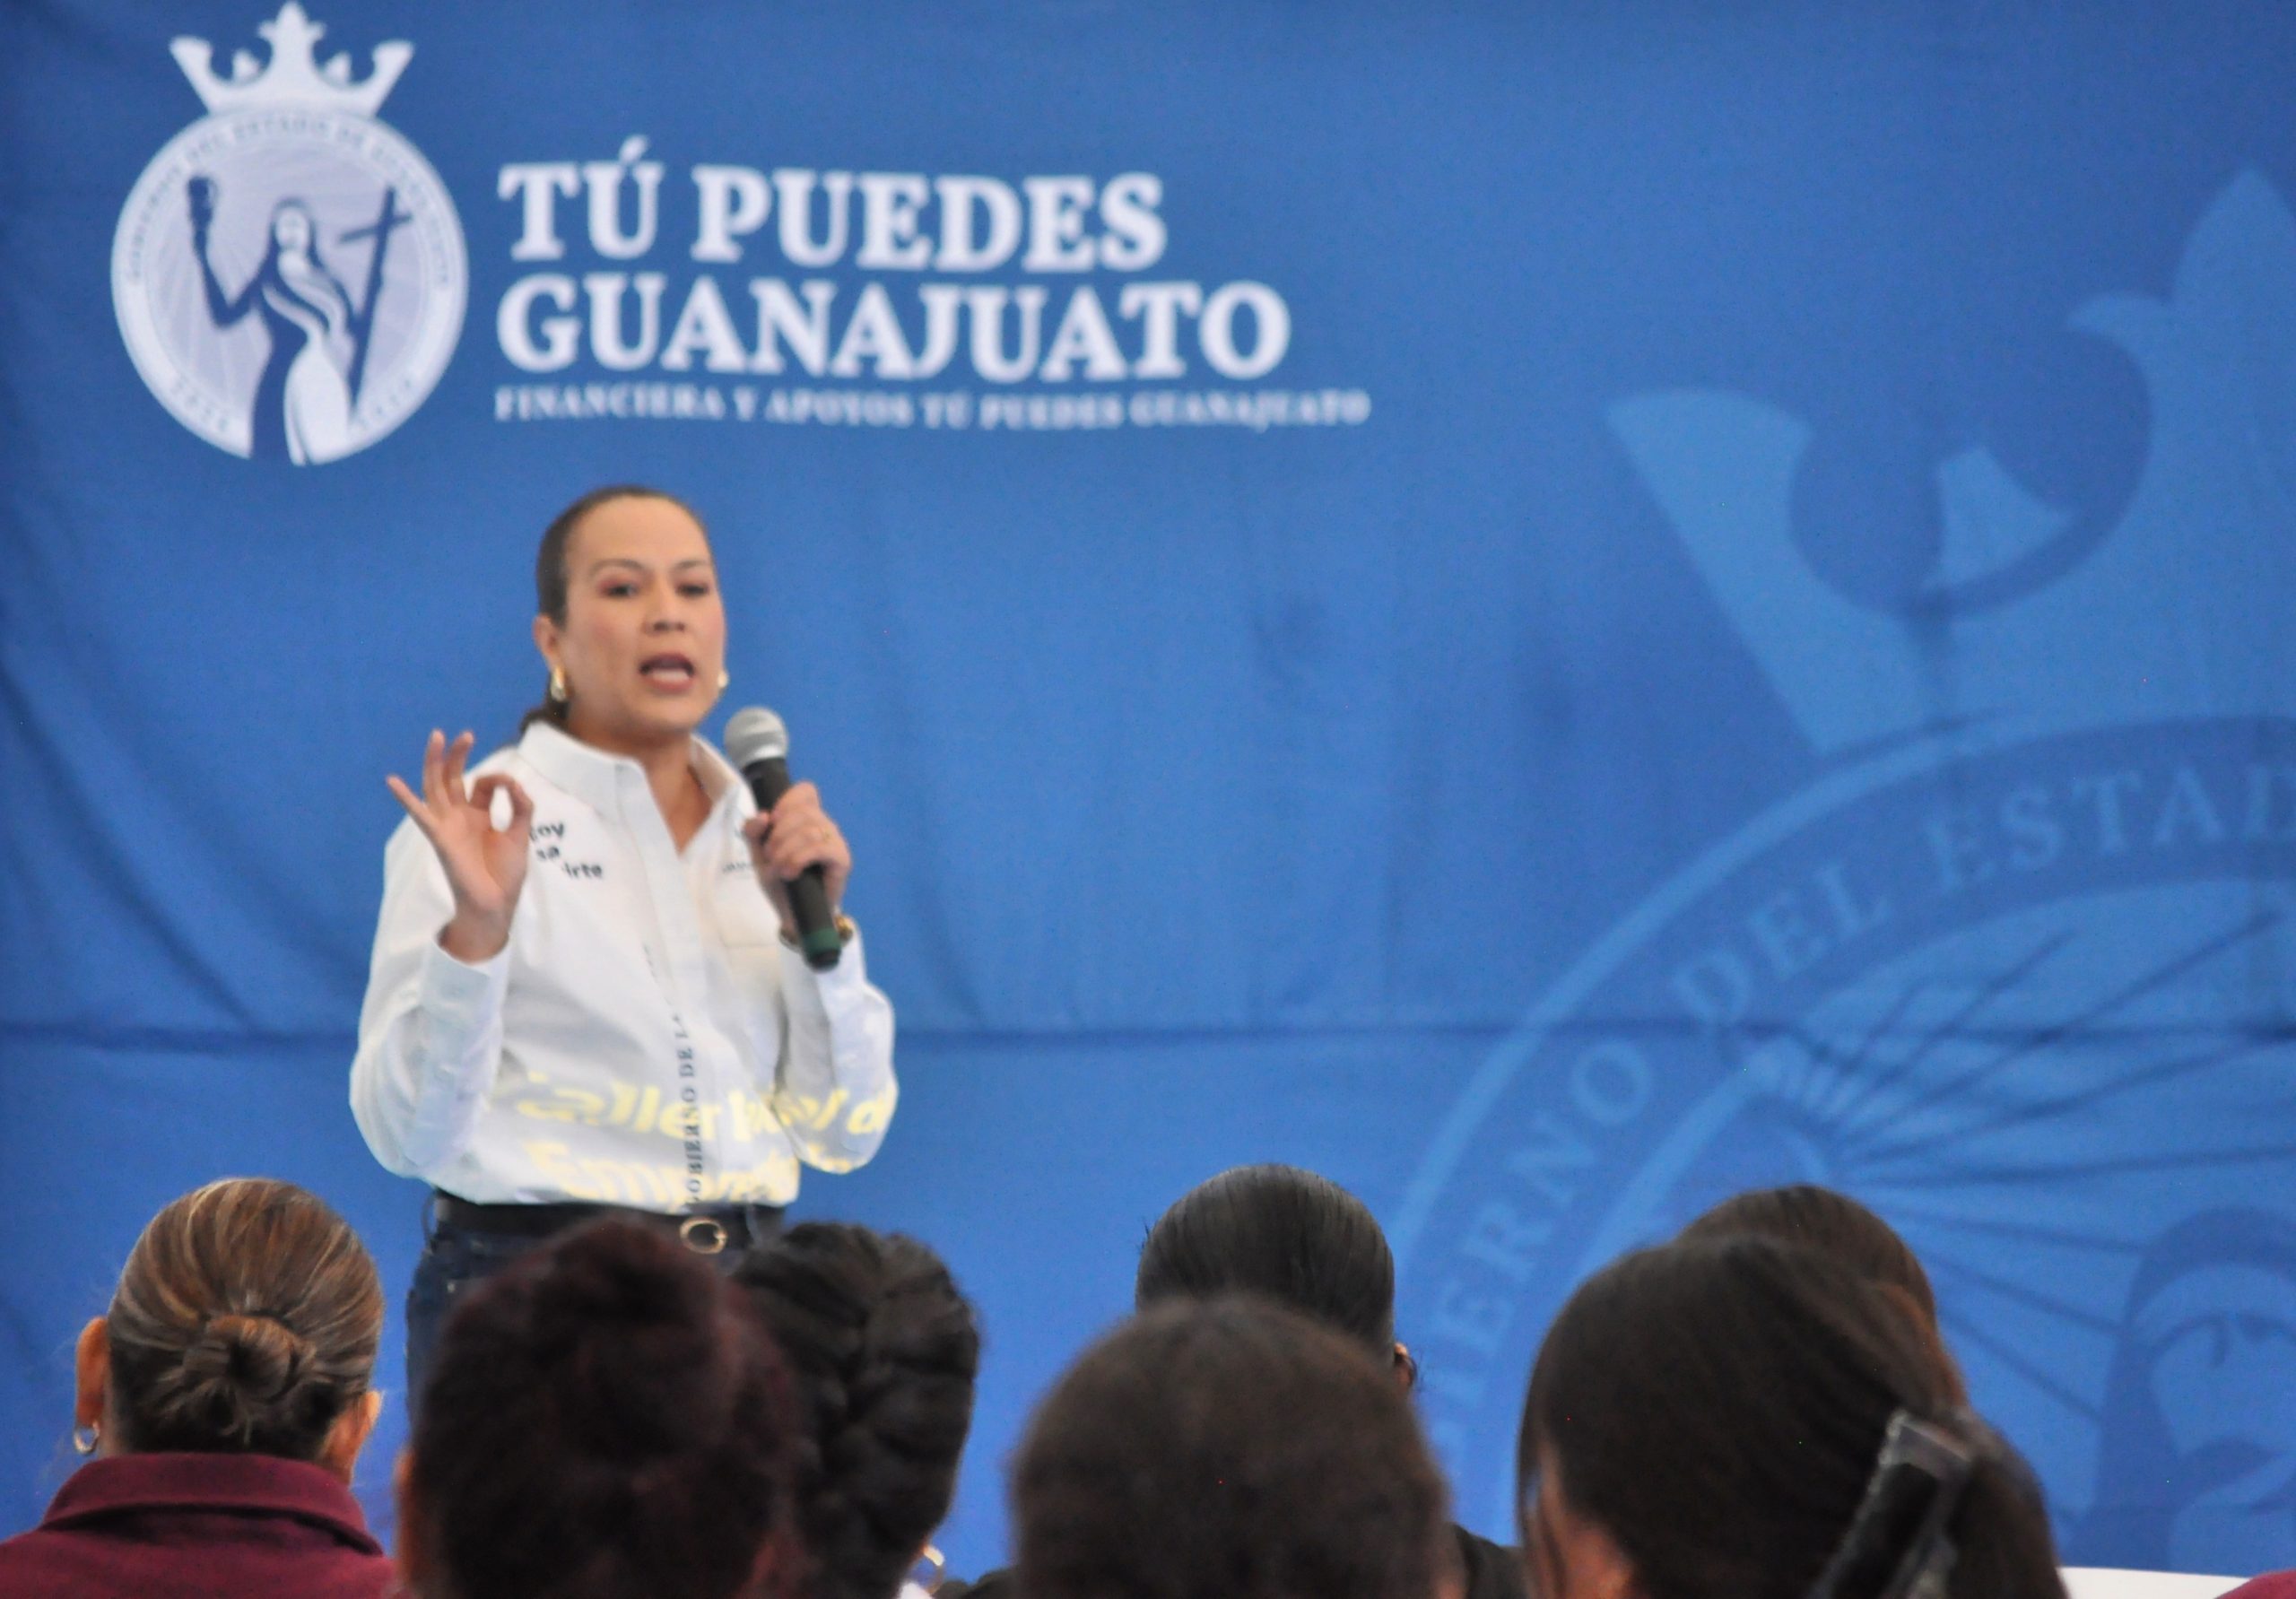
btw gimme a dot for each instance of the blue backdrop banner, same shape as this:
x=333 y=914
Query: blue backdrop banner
x=1553 y=610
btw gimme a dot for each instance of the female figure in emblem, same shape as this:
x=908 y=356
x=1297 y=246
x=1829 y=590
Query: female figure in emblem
x=302 y=403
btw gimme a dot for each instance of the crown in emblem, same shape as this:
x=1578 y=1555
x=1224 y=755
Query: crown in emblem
x=293 y=76
x=2179 y=611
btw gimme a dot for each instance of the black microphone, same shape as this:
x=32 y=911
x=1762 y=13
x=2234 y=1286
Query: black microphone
x=759 y=744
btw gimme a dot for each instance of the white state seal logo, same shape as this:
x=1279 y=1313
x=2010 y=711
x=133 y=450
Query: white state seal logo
x=289 y=272
x=2014 y=968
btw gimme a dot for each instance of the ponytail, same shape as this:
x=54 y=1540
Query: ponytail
x=551 y=710
x=1814 y=1422
x=1950 y=1509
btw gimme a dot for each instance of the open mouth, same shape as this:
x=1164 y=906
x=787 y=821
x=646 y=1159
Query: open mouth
x=668 y=671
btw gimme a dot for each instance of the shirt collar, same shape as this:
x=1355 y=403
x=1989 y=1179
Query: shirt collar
x=593 y=777
x=120 y=1484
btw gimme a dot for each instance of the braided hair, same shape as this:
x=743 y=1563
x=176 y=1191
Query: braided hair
x=883 y=1348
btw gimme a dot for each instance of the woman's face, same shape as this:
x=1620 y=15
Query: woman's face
x=290 y=230
x=644 y=640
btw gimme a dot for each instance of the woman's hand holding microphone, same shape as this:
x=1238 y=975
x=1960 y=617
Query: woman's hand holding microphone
x=796 y=834
x=485 y=866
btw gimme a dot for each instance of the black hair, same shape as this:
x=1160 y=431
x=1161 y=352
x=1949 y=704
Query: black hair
x=607 y=1418
x=883 y=1350
x=554 y=584
x=1718 y=1408
x=1831 y=1222
x=1227 y=1448
x=1301 y=1239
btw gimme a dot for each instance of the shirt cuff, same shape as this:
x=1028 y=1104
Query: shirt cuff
x=838 y=985
x=459 y=999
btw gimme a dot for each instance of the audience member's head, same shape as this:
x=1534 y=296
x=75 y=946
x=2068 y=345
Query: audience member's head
x=247 y=1320
x=1226 y=1449
x=1288 y=1234
x=607 y=1418
x=883 y=1350
x=1829 y=1222
x=1707 y=1420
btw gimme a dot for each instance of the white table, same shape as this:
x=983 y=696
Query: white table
x=2101 y=1582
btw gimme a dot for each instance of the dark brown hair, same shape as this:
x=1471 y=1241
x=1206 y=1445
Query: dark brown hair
x=247 y=1319
x=1718 y=1408
x=1300 y=1238
x=884 y=1349
x=1227 y=1448
x=1829 y=1222
x=607 y=1418
x=552 y=583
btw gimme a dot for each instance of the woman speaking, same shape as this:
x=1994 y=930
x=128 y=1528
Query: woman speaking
x=587 y=995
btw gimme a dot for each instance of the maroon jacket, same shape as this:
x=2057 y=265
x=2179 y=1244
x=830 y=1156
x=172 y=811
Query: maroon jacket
x=198 y=1526
x=2271 y=1585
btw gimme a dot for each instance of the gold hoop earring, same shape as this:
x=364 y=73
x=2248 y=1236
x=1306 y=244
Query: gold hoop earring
x=84 y=1439
x=723 y=677
x=557 y=685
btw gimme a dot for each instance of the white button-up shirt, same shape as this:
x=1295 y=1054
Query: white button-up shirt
x=645 y=1038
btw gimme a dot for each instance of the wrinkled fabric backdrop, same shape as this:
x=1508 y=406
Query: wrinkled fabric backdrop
x=1551 y=610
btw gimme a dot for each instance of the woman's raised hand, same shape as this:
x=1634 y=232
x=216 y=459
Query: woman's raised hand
x=485 y=866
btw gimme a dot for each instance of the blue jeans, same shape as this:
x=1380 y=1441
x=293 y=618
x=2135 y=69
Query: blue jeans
x=455 y=1261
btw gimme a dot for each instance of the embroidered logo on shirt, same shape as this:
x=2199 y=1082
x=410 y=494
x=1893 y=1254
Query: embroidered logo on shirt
x=548 y=845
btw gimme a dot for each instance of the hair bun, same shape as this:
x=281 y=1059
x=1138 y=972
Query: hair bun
x=241 y=1374
x=247 y=1319
x=262 y=1358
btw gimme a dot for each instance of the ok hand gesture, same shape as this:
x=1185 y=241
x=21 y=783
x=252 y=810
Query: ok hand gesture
x=485 y=868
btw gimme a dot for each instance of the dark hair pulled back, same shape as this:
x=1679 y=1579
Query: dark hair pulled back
x=1227 y=1448
x=1829 y=1222
x=1300 y=1238
x=607 y=1418
x=884 y=1349
x=1718 y=1407
x=247 y=1320
x=553 y=583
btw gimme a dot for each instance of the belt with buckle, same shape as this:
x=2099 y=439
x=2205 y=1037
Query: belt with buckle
x=705 y=1232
